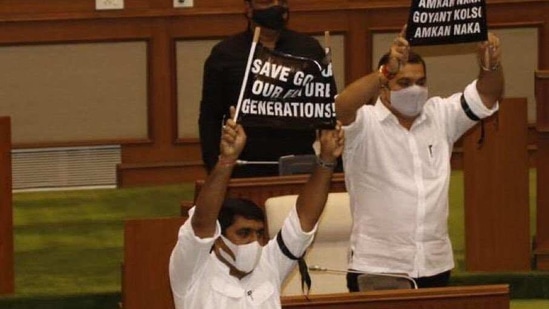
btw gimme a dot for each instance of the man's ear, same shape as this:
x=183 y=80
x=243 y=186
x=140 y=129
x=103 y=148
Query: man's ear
x=384 y=91
x=219 y=244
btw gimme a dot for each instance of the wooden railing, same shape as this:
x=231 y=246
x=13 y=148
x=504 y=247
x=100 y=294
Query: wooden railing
x=260 y=189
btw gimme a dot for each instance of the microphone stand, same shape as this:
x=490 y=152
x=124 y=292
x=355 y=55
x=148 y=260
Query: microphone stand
x=318 y=268
x=244 y=162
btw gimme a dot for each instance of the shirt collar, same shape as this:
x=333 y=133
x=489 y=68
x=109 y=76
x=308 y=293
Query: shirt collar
x=226 y=270
x=383 y=113
x=220 y=264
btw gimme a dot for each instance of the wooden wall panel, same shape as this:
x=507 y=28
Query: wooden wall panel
x=190 y=57
x=80 y=92
x=542 y=96
x=541 y=248
x=542 y=228
x=496 y=192
x=164 y=157
x=7 y=276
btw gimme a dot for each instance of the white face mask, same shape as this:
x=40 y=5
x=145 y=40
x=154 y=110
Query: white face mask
x=410 y=100
x=246 y=256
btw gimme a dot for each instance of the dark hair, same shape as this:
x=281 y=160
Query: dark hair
x=233 y=207
x=413 y=57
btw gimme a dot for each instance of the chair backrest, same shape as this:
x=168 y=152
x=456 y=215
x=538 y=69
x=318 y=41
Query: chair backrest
x=296 y=164
x=330 y=248
x=375 y=282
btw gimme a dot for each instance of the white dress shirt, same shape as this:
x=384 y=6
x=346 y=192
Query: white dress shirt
x=398 y=184
x=200 y=280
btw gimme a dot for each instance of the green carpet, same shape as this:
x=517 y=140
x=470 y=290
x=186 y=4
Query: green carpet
x=530 y=304
x=521 y=284
x=71 y=242
x=68 y=245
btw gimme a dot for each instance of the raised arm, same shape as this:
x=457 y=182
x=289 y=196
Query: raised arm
x=490 y=82
x=311 y=200
x=367 y=87
x=212 y=194
x=355 y=95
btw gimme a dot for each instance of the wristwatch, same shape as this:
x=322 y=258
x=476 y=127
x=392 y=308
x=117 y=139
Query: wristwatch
x=385 y=72
x=329 y=165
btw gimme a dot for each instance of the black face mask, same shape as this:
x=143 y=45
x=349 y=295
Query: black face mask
x=272 y=18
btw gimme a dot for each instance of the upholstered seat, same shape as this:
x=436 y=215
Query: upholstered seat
x=330 y=248
x=374 y=282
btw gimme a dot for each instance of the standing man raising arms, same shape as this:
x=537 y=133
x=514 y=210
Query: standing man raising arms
x=397 y=161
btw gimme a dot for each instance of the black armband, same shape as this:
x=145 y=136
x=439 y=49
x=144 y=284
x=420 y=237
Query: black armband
x=467 y=109
x=303 y=269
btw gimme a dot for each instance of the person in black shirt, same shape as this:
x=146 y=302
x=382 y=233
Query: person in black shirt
x=223 y=74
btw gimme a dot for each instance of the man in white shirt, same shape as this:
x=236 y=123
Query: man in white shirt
x=397 y=161
x=225 y=263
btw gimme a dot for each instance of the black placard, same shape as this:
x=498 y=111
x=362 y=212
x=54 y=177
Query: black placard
x=285 y=91
x=435 y=22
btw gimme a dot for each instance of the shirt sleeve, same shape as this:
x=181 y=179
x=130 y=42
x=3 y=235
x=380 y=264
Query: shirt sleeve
x=189 y=256
x=354 y=130
x=295 y=239
x=472 y=97
x=453 y=112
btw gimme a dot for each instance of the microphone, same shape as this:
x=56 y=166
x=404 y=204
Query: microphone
x=344 y=272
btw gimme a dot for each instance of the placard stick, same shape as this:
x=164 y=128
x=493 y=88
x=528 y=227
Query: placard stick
x=487 y=56
x=257 y=31
x=326 y=41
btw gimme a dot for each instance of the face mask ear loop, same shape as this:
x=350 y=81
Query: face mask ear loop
x=229 y=246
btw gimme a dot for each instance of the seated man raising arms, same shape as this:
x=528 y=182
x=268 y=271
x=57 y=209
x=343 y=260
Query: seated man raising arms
x=221 y=259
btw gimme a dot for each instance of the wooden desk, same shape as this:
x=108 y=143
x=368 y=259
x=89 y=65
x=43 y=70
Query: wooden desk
x=485 y=297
